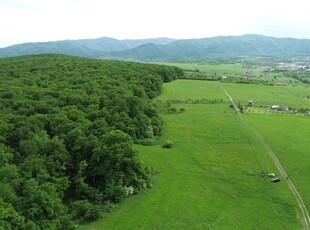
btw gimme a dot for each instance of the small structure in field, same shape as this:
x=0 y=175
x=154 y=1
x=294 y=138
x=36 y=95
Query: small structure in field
x=275 y=107
x=279 y=108
x=271 y=174
x=250 y=103
x=281 y=84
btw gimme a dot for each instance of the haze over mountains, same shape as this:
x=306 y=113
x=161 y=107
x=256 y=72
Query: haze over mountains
x=166 y=49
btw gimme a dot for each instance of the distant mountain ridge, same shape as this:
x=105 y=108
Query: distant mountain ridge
x=166 y=49
x=84 y=47
x=217 y=47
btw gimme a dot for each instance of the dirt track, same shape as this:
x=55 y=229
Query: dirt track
x=305 y=214
x=303 y=208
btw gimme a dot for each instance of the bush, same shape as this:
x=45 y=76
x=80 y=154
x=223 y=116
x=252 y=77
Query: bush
x=129 y=191
x=168 y=144
x=146 y=142
x=86 y=211
x=172 y=110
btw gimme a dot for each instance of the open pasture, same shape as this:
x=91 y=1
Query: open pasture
x=266 y=96
x=215 y=176
x=184 y=89
x=236 y=70
x=212 y=69
x=288 y=136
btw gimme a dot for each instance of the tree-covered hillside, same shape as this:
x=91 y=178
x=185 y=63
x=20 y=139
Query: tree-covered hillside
x=217 y=47
x=66 y=133
x=166 y=49
x=83 y=47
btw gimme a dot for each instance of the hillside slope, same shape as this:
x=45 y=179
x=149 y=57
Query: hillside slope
x=217 y=47
x=166 y=49
x=84 y=48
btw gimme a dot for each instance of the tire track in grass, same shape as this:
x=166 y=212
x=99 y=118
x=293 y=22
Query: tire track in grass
x=231 y=100
x=301 y=204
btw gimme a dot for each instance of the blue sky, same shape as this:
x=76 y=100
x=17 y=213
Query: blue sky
x=50 y=20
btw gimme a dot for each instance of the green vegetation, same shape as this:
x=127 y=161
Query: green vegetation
x=260 y=71
x=211 y=68
x=215 y=176
x=84 y=47
x=168 y=144
x=217 y=47
x=295 y=97
x=165 y=49
x=288 y=136
x=66 y=136
x=71 y=129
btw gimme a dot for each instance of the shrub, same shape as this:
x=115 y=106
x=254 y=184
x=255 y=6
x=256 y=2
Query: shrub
x=86 y=211
x=168 y=144
x=146 y=142
x=129 y=190
x=172 y=110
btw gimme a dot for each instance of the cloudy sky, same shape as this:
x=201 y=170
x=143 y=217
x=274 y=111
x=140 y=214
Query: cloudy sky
x=49 y=20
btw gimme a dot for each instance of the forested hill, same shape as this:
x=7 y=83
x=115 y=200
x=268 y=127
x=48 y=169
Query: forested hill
x=166 y=49
x=66 y=134
x=217 y=47
x=83 y=47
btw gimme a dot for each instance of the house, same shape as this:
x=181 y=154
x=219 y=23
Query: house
x=275 y=107
x=281 y=84
x=279 y=108
x=248 y=74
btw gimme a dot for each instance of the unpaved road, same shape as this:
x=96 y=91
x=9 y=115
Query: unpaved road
x=301 y=204
x=305 y=214
x=231 y=100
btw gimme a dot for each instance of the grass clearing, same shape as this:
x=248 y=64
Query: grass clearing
x=266 y=96
x=236 y=69
x=184 y=89
x=288 y=136
x=213 y=178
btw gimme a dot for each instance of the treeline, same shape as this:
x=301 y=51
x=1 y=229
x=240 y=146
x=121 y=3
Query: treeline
x=301 y=75
x=229 y=79
x=66 y=134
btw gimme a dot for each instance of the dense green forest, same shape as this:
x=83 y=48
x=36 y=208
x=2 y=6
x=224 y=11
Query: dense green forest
x=66 y=134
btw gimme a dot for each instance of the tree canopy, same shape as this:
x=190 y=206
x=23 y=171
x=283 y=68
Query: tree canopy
x=66 y=134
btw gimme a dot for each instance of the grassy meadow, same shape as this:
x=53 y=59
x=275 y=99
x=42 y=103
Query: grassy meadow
x=220 y=69
x=237 y=69
x=215 y=176
x=288 y=137
x=266 y=96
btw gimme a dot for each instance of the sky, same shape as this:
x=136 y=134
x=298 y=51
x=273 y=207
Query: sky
x=50 y=20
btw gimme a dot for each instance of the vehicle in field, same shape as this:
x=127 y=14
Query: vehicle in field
x=276 y=179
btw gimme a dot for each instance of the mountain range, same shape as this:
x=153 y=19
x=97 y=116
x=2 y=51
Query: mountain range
x=166 y=49
x=84 y=47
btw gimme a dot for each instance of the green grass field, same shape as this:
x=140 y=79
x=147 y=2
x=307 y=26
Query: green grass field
x=215 y=177
x=288 y=136
x=220 y=69
x=266 y=96
x=183 y=89
x=233 y=70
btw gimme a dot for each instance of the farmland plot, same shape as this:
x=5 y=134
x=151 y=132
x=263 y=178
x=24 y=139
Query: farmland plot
x=215 y=176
